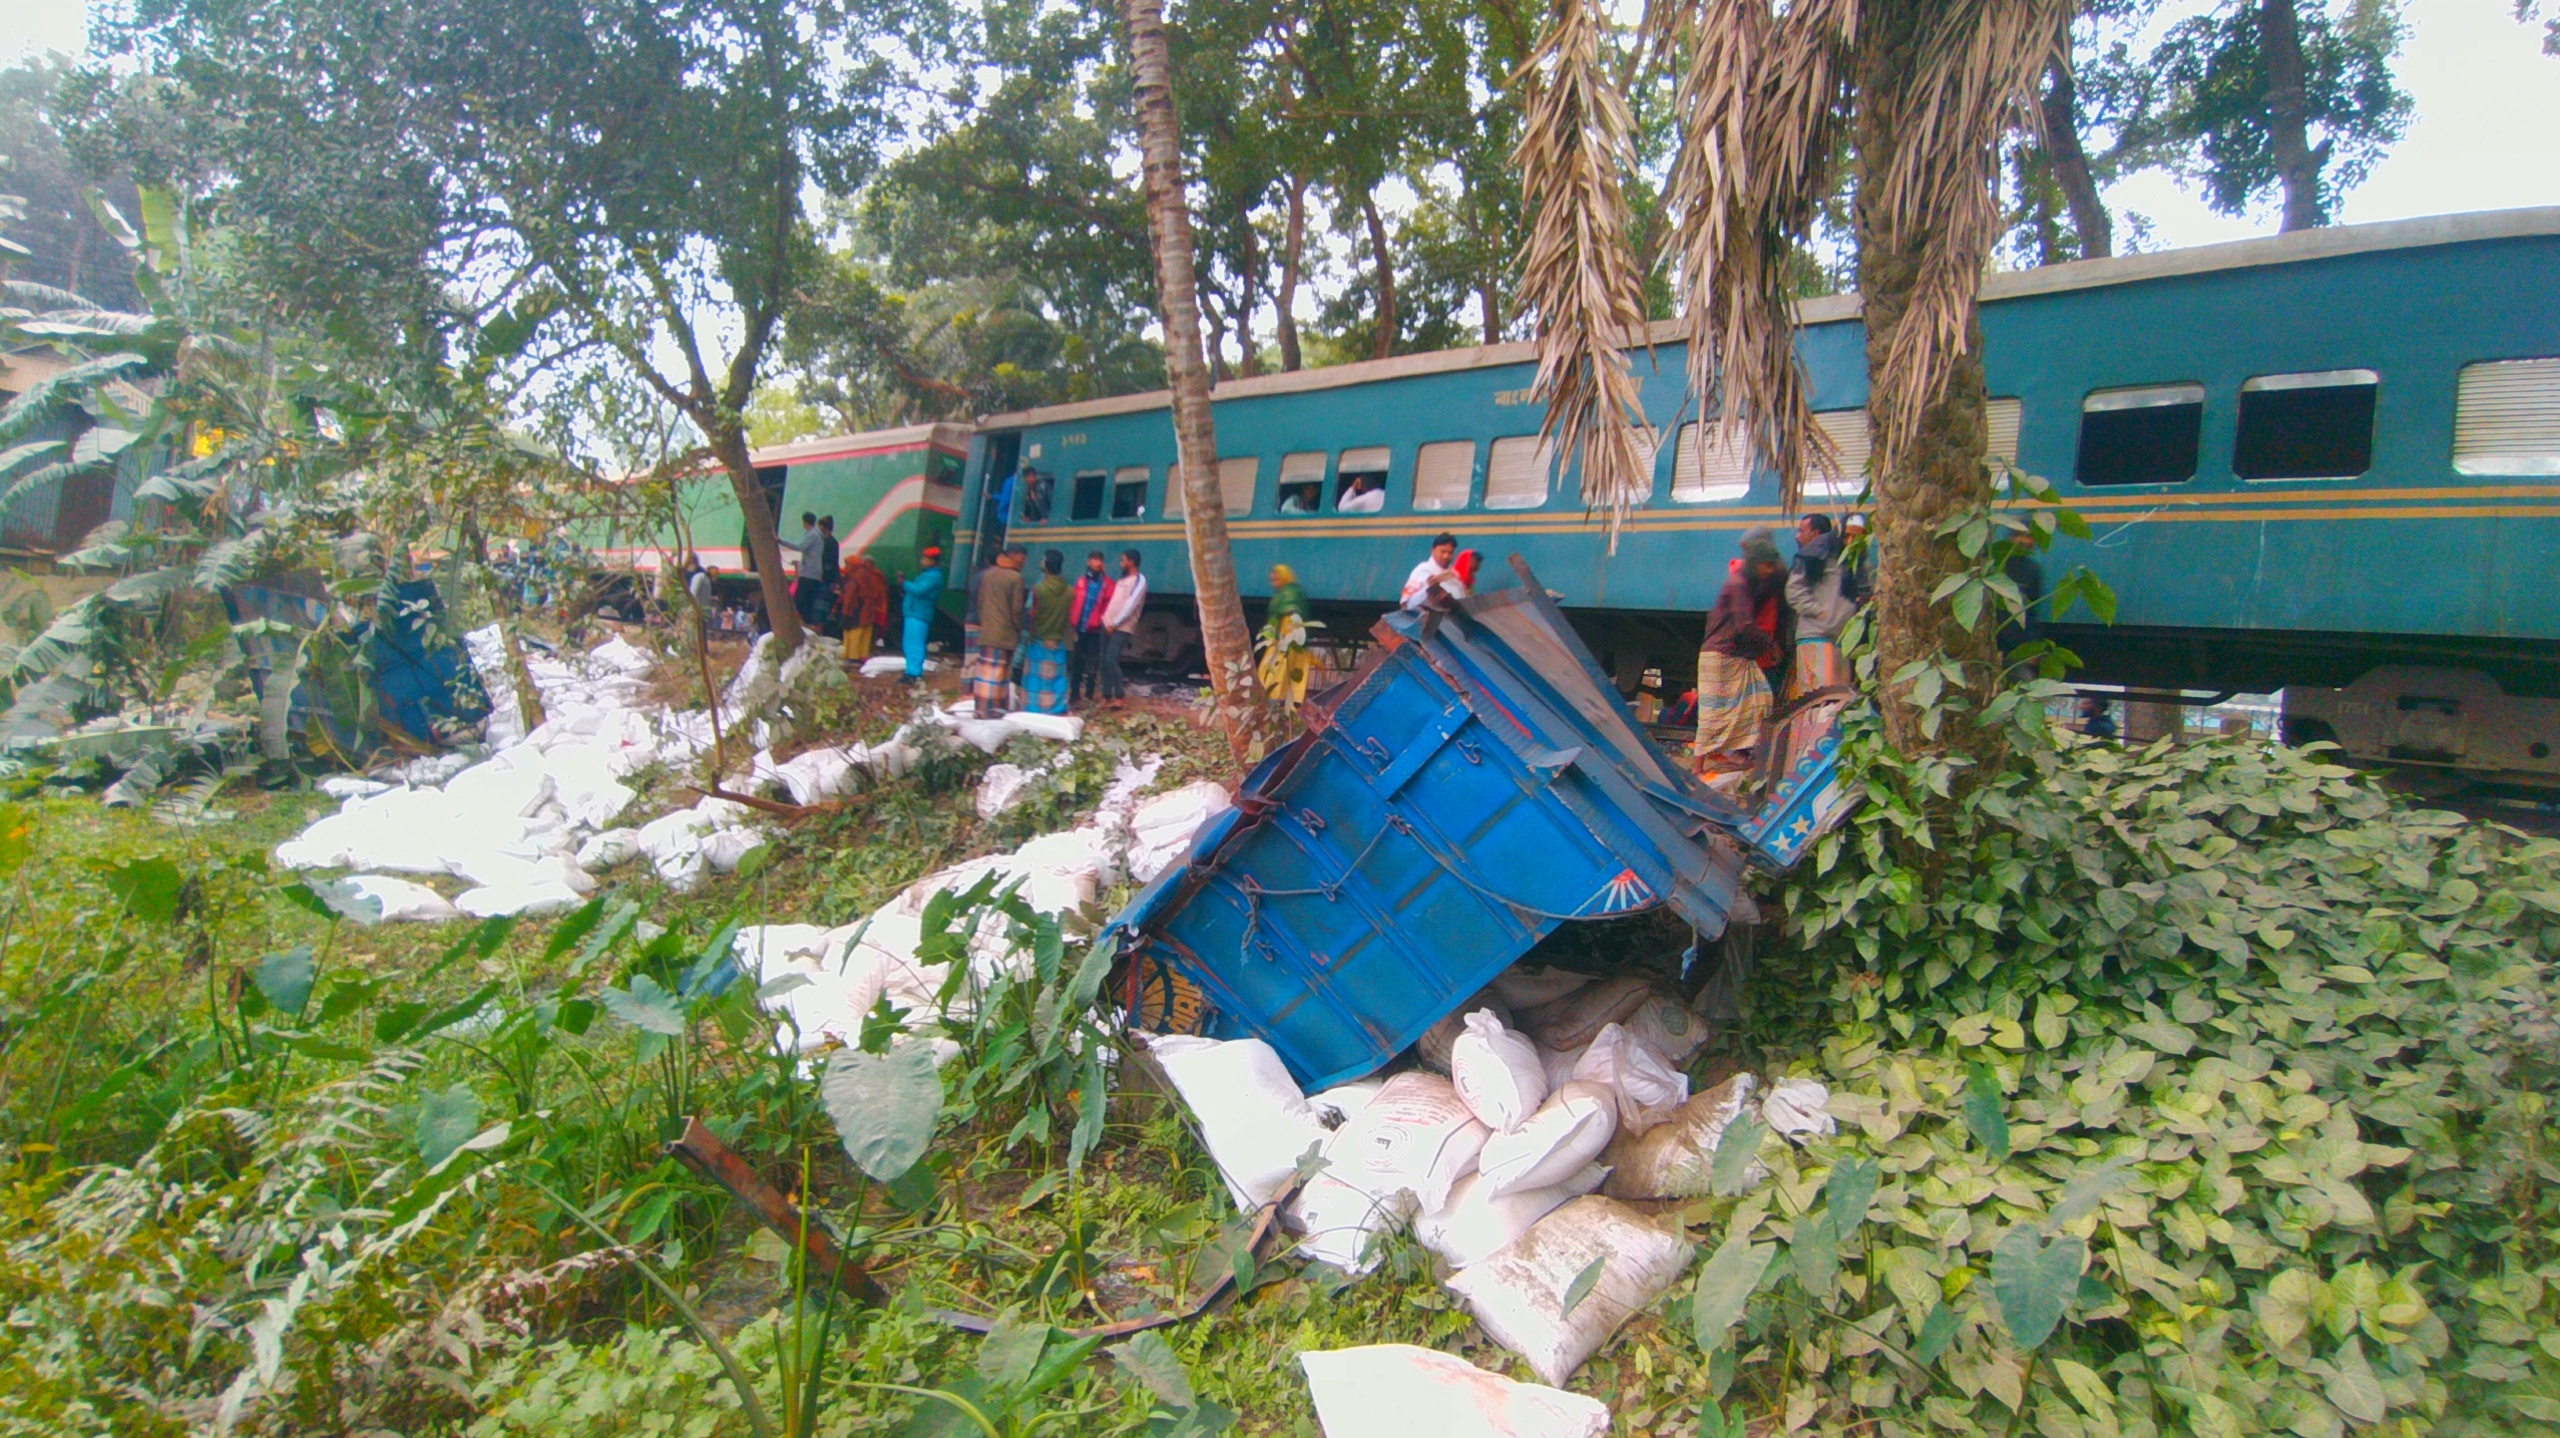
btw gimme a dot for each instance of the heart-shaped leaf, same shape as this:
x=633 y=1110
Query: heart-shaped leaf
x=285 y=979
x=1737 y=1150
x=445 y=1122
x=2035 y=1281
x=884 y=1105
x=2353 y=1388
x=646 y=1006
x=1725 y=1285
x=1849 y=1189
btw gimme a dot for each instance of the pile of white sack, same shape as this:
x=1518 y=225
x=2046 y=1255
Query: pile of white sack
x=828 y=979
x=1541 y=1103
x=529 y=826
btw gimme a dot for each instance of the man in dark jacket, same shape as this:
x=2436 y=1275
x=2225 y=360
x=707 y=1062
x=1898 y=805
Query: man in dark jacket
x=990 y=674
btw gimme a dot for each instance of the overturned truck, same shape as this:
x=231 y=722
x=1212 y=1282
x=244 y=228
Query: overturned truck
x=1474 y=785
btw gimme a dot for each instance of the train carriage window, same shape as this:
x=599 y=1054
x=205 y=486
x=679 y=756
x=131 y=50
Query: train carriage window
x=1302 y=482
x=2002 y=415
x=1518 y=475
x=2145 y=435
x=2306 y=426
x=1710 y=462
x=1360 y=481
x=1648 y=446
x=1443 y=474
x=1235 y=486
x=1129 y=493
x=1848 y=431
x=2506 y=418
x=1084 y=501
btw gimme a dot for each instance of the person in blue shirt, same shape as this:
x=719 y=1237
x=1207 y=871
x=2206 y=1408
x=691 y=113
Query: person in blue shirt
x=920 y=595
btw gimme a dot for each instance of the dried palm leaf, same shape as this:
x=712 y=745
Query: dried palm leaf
x=1578 y=272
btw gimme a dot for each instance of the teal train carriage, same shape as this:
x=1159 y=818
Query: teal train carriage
x=2327 y=462
x=892 y=493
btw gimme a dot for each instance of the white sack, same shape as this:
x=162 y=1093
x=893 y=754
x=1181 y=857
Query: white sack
x=492 y=901
x=1340 y=1221
x=402 y=900
x=883 y=665
x=724 y=849
x=1342 y=1103
x=1395 y=1390
x=1255 y=1122
x=1569 y=1130
x=1496 y=1072
x=1559 y=1064
x=1416 y=1137
x=1480 y=1221
x=999 y=789
x=1160 y=829
x=1669 y=1027
x=767 y=951
x=1794 y=1107
x=1517 y=1295
x=608 y=849
x=1062 y=728
x=349 y=786
x=1647 y=1088
x=989 y=735
x=1436 y=1041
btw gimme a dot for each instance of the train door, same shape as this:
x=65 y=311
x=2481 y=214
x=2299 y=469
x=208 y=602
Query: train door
x=994 y=494
x=770 y=479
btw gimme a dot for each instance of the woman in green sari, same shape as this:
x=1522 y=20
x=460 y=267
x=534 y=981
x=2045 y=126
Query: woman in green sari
x=1286 y=661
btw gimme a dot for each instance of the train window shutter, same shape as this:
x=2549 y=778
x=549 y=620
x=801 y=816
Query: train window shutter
x=1129 y=493
x=1649 y=448
x=2003 y=415
x=1517 y=476
x=2506 y=418
x=1235 y=482
x=1443 y=474
x=1848 y=431
x=1710 y=462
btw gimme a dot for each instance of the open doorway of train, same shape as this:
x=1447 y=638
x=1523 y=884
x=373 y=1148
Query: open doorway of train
x=995 y=495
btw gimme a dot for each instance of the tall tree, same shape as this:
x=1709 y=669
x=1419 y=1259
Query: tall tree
x=1914 y=97
x=623 y=176
x=2272 y=96
x=1223 y=636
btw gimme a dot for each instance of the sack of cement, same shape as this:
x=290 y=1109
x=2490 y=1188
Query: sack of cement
x=1437 y=1041
x=1416 y=1137
x=1518 y=1294
x=1569 y=1130
x=1676 y=1158
x=1480 y=1220
x=1395 y=1390
x=1525 y=988
x=1647 y=1088
x=1252 y=1117
x=1496 y=1072
x=1576 y=1019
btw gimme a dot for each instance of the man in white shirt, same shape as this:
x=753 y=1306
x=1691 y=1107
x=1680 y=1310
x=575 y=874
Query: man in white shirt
x=1368 y=496
x=1120 y=623
x=1434 y=570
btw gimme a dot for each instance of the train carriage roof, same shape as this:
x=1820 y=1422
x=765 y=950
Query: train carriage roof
x=2301 y=245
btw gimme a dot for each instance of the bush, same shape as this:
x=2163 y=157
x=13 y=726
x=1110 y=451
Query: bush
x=2218 y=1064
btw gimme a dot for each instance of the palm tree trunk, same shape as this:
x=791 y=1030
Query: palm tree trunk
x=1223 y=636
x=1384 y=343
x=1943 y=473
x=729 y=446
x=2288 y=125
x=1293 y=249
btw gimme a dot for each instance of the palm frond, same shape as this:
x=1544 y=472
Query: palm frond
x=1763 y=96
x=1973 y=77
x=34 y=480
x=1578 y=272
x=36 y=399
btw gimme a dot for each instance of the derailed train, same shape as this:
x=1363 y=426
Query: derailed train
x=2326 y=462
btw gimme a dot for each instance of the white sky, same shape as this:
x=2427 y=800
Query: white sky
x=2488 y=105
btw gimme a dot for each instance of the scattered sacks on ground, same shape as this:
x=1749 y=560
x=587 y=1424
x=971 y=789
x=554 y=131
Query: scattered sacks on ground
x=1393 y=1390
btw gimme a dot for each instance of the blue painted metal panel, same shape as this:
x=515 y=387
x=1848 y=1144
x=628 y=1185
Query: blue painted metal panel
x=1475 y=785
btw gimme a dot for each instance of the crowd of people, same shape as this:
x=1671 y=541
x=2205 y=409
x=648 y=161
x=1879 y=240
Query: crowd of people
x=1049 y=644
x=1774 y=630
